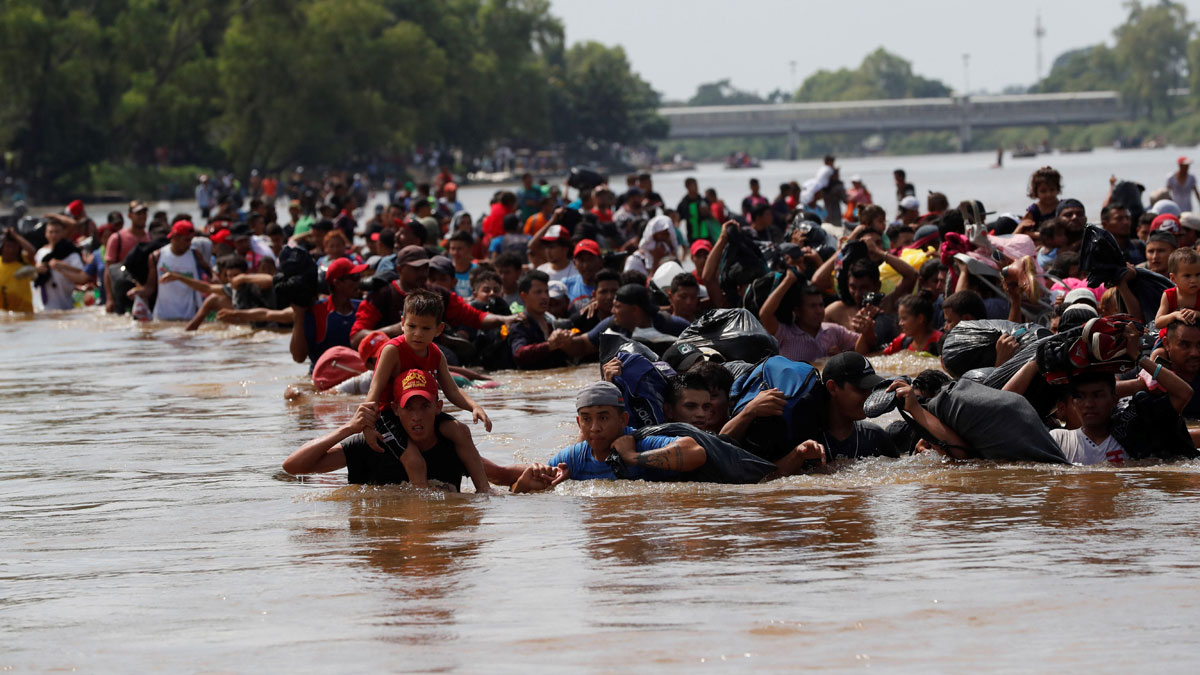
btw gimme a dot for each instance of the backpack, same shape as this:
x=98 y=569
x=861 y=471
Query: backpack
x=642 y=383
x=296 y=280
x=803 y=417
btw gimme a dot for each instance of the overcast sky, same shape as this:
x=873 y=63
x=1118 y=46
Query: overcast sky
x=679 y=44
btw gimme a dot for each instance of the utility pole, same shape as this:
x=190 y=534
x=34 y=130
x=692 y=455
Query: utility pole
x=1038 y=34
x=966 y=74
x=792 y=64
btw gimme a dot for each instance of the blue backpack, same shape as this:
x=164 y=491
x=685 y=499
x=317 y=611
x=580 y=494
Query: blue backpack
x=803 y=416
x=642 y=383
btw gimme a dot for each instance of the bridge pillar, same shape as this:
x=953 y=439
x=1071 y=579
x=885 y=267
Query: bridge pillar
x=793 y=144
x=964 y=136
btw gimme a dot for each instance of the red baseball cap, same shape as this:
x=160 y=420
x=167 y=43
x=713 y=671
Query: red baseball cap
x=1184 y=160
x=412 y=383
x=220 y=236
x=371 y=344
x=1165 y=223
x=556 y=233
x=182 y=228
x=701 y=245
x=342 y=267
x=587 y=246
x=449 y=187
x=75 y=208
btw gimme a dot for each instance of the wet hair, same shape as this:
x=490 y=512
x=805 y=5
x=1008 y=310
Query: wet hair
x=424 y=303
x=527 y=279
x=1174 y=326
x=683 y=280
x=461 y=236
x=966 y=304
x=1047 y=175
x=930 y=382
x=633 y=277
x=937 y=201
x=919 y=304
x=863 y=268
x=509 y=260
x=486 y=275
x=1108 y=379
x=716 y=377
x=1163 y=238
x=677 y=384
x=1182 y=256
x=608 y=275
x=232 y=262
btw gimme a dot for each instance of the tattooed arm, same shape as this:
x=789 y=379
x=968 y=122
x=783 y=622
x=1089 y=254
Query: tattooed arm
x=684 y=454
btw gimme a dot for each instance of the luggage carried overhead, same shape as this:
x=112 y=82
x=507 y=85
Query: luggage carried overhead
x=735 y=334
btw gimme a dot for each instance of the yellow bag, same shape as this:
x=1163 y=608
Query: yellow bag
x=890 y=278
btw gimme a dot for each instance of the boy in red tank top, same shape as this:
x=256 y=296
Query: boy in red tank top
x=414 y=350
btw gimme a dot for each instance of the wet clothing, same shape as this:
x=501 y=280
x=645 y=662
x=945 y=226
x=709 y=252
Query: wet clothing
x=868 y=440
x=462 y=283
x=121 y=244
x=798 y=345
x=529 y=347
x=324 y=327
x=695 y=212
x=662 y=322
x=1079 y=449
x=16 y=295
x=558 y=275
x=584 y=466
x=577 y=289
x=176 y=300
x=385 y=306
x=364 y=466
x=904 y=342
x=57 y=291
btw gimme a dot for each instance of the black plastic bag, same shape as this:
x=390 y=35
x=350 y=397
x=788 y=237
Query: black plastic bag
x=852 y=252
x=582 y=178
x=741 y=263
x=612 y=343
x=726 y=463
x=1129 y=194
x=996 y=424
x=296 y=281
x=1101 y=257
x=735 y=333
x=1041 y=394
x=972 y=344
x=137 y=263
x=1147 y=425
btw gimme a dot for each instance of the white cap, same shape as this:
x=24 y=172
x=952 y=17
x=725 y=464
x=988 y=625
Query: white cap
x=856 y=178
x=1190 y=220
x=1165 y=206
x=1077 y=295
x=910 y=202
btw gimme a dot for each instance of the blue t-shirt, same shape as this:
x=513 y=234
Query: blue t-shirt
x=462 y=284
x=577 y=289
x=584 y=466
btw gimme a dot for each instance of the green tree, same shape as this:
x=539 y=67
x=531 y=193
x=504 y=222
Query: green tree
x=1092 y=68
x=1152 y=51
x=598 y=100
x=722 y=92
x=881 y=75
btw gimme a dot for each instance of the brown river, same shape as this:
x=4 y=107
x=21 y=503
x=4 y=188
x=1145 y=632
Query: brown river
x=148 y=526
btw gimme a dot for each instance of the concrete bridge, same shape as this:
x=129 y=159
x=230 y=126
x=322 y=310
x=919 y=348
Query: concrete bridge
x=960 y=113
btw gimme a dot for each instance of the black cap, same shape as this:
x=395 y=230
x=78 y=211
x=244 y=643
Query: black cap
x=239 y=230
x=1002 y=225
x=851 y=368
x=638 y=296
x=1068 y=203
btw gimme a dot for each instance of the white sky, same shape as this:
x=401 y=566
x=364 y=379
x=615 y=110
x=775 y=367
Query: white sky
x=679 y=44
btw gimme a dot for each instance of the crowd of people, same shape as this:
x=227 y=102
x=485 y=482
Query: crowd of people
x=703 y=318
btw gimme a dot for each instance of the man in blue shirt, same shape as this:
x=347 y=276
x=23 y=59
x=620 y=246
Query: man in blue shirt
x=604 y=427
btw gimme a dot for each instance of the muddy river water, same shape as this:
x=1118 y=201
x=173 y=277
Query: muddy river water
x=147 y=525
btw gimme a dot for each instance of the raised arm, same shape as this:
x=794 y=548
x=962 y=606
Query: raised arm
x=766 y=313
x=325 y=454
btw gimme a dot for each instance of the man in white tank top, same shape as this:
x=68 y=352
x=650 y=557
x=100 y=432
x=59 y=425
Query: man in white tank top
x=176 y=301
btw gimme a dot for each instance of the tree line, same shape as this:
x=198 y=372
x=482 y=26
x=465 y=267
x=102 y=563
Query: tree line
x=270 y=83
